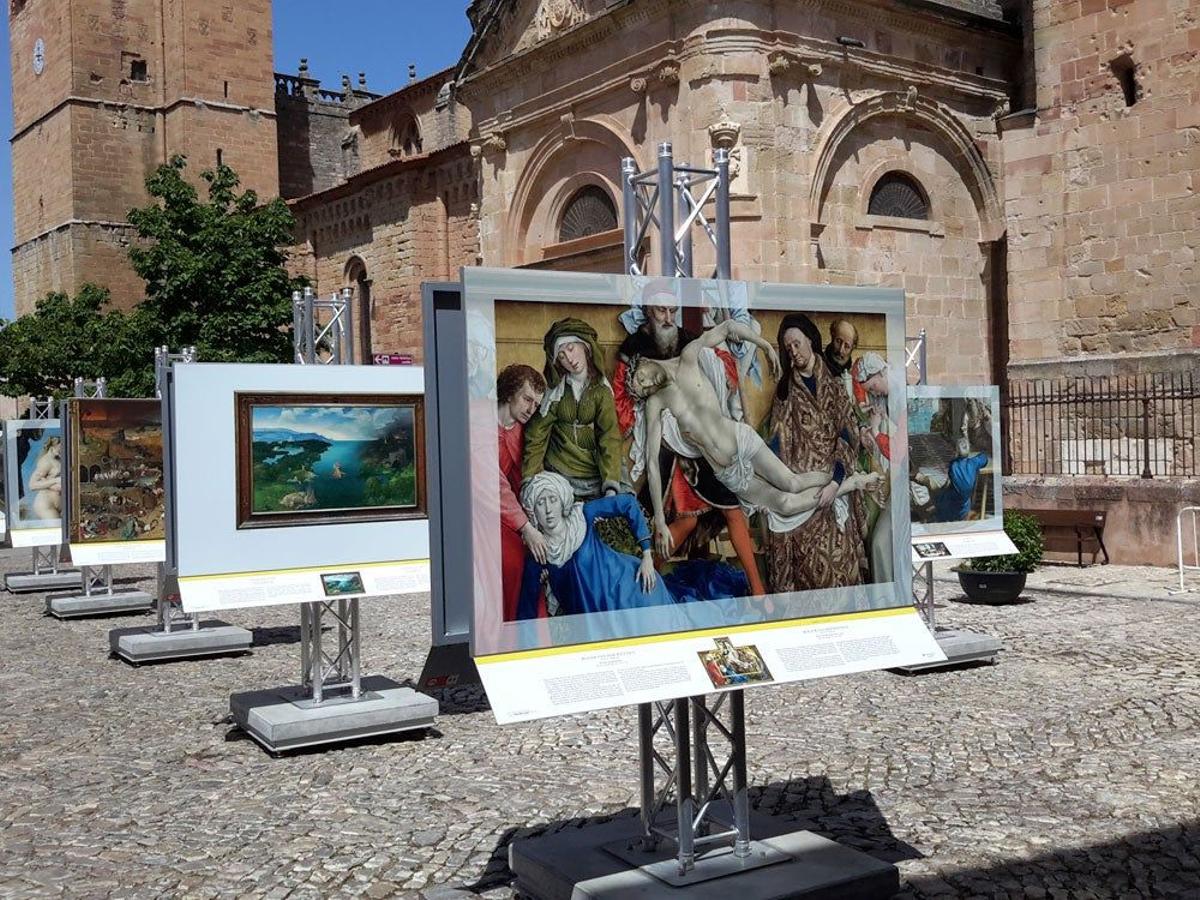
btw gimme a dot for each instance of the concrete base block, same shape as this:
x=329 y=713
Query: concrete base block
x=148 y=644
x=578 y=863
x=960 y=647
x=77 y=606
x=286 y=718
x=29 y=583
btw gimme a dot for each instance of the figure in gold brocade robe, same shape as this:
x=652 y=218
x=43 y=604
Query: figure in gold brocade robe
x=816 y=428
x=575 y=431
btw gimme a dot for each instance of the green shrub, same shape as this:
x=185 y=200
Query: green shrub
x=1025 y=532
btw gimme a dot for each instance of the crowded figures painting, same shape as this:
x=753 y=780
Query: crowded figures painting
x=680 y=454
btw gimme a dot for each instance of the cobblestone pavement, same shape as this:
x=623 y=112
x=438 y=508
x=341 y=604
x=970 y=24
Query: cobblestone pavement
x=1069 y=769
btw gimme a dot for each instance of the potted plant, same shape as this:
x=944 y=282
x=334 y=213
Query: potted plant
x=1000 y=579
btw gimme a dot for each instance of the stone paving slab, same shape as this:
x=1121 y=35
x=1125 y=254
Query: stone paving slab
x=1070 y=769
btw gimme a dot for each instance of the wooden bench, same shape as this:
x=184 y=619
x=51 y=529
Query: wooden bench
x=1073 y=530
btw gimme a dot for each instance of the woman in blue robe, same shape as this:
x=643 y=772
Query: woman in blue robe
x=588 y=576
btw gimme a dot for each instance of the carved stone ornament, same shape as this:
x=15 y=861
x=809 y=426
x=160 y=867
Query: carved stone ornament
x=910 y=97
x=780 y=62
x=554 y=16
x=495 y=143
x=637 y=84
x=668 y=72
x=724 y=134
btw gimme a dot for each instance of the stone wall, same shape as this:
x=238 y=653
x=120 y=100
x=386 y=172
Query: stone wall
x=383 y=233
x=1140 y=527
x=1103 y=214
x=811 y=123
x=318 y=148
x=127 y=84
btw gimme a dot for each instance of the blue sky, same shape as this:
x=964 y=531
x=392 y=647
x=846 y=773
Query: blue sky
x=338 y=423
x=379 y=37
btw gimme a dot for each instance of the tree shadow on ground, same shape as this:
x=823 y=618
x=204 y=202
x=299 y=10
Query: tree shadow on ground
x=1163 y=863
x=804 y=804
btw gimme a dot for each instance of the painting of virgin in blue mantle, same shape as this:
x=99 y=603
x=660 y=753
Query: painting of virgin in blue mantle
x=328 y=461
x=584 y=575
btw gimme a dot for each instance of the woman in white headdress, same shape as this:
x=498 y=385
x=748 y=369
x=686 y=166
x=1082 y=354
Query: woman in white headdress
x=586 y=575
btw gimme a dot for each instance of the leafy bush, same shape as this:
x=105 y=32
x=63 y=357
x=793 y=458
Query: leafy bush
x=1026 y=533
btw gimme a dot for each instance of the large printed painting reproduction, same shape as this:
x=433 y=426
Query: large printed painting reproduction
x=117 y=455
x=659 y=457
x=34 y=473
x=326 y=459
x=954 y=472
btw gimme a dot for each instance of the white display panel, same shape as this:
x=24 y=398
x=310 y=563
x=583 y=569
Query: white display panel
x=817 y=585
x=210 y=551
x=931 y=548
x=643 y=670
x=35 y=537
x=116 y=553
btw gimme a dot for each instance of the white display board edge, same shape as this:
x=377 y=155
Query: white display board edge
x=35 y=537
x=208 y=593
x=115 y=553
x=961 y=546
x=564 y=680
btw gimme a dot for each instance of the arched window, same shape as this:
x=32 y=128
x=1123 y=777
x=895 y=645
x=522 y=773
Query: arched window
x=900 y=196
x=589 y=211
x=406 y=136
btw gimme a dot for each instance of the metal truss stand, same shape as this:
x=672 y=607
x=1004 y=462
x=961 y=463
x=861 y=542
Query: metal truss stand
x=695 y=836
x=46 y=573
x=333 y=702
x=960 y=646
x=176 y=634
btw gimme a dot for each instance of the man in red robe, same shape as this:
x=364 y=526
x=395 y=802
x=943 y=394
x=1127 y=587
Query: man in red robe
x=519 y=391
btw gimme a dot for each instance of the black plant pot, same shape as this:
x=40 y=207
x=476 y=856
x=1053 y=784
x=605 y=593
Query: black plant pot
x=992 y=587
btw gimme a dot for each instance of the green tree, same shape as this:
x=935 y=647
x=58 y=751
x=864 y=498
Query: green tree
x=214 y=270
x=66 y=337
x=215 y=280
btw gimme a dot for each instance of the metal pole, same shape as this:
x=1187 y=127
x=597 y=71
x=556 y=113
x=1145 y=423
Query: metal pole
x=724 y=251
x=666 y=210
x=348 y=355
x=741 y=791
x=355 y=651
x=297 y=325
x=684 y=808
x=317 y=658
x=308 y=348
x=629 y=213
x=646 y=767
x=685 y=240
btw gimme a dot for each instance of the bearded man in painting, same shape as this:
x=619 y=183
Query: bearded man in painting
x=519 y=391
x=691 y=489
x=575 y=431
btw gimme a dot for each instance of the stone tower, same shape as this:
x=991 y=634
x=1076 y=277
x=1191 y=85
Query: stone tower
x=104 y=91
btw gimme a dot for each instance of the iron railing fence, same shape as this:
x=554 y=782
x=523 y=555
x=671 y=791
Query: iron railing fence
x=1117 y=425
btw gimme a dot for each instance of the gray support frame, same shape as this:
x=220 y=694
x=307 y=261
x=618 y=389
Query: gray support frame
x=447 y=456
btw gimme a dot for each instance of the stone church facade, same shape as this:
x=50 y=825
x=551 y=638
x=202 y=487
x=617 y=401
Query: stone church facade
x=1025 y=169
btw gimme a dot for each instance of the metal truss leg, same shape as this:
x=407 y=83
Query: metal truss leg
x=324 y=671
x=923 y=594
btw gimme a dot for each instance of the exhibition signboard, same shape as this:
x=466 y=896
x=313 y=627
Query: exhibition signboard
x=33 y=482
x=296 y=483
x=115 y=501
x=955 y=482
x=658 y=513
